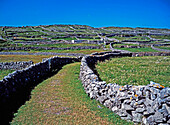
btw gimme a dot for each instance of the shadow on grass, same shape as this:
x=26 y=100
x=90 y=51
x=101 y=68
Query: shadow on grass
x=14 y=102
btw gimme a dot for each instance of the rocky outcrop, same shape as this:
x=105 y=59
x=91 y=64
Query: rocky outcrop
x=15 y=65
x=141 y=104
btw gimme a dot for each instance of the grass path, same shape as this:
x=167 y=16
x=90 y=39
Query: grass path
x=62 y=100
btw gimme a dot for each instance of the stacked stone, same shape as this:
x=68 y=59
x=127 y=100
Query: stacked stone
x=20 y=80
x=146 y=104
x=15 y=65
x=151 y=54
x=158 y=49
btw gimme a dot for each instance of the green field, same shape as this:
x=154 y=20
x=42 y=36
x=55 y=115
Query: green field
x=161 y=37
x=4 y=73
x=15 y=58
x=135 y=70
x=147 y=49
x=61 y=100
x=60 y=45
x=163 y=47
x=83 y=51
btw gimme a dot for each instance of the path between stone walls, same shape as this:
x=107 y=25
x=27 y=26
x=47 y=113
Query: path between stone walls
x=62 y=100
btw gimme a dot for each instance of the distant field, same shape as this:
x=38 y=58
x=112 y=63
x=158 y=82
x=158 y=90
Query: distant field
x=15 y=58
x=60 y=45
x=147 y=49
x=161 y=37
x=83 y=51
x=135 y=70
x=163 y=47
x=137 y=38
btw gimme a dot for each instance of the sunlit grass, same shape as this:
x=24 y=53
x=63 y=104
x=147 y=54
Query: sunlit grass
x=15 y=58
x=147 y=49
x=4 y=73
x=83 y=51
x=163 y=47
x=135 y=70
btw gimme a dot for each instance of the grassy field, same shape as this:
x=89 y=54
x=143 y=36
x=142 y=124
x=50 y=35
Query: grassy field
x=83 y=51
x=62 y=100
x=15 y=58
x=161 y=37
x=147 y=49
x=125 y=44
x=4 y=73
x=163 y=47
x=60 y=45
x=135 y=70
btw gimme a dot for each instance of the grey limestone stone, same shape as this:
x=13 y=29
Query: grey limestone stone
x=137 y=117
x=141 y=110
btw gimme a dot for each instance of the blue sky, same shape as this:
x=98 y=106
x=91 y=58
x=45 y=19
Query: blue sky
x=96 y=13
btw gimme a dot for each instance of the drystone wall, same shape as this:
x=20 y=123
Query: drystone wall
x=158 y=49
x=17 y=84
x=148 y=105
x=15 y=65
x=136 y=54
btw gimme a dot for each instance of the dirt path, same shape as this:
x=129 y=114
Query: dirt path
x=62 y=100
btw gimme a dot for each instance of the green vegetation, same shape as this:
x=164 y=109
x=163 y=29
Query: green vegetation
x=137 y=38
x=59 y=45
x=161 y=37
x=15 y=58
x=163 y=47
x=125 y=44
x=83 y=51
x=135 y=70
x=146 y=49
x=64 y=38
x=4 y=73
x=62 y=100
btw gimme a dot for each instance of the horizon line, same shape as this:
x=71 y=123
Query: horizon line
x=134 y=27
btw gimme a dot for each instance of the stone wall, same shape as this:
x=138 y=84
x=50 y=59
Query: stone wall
x=150 y=54
x=15 y=88
x=141 y=104
x=140 y=53
x=15 y=65
x=158 y=49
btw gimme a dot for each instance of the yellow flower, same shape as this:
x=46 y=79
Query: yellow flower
x=136 y=95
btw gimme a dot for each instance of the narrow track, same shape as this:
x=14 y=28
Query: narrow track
x=62 y=100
